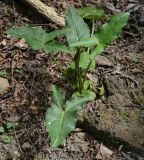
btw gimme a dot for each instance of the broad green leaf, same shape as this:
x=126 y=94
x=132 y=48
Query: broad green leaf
x=89 y=94
x=5 y=139
x=79 y=99
x=110 y=30
x=87 y=83
x=37 y=38
x=95 y=52
x=61 y=118
x=105 y=35
x=54 y=46
x=57 y=33
x=36 y=33
x=22 y=32
x=57 y=97
x=84 y=60
x=78 y=28
x=87 y=42
x=91 y=12
x=59 y=124
x=1 y=129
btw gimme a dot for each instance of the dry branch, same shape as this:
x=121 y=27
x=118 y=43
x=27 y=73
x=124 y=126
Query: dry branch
x=48 y=12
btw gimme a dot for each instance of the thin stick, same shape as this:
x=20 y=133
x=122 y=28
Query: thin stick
x=93 y=29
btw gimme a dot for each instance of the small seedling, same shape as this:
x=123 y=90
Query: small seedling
x=10 y=126
x=1 y=130
x=101 y=90
x=5 y=139
x=18 y=70
x=3 y=74
x=84 y=44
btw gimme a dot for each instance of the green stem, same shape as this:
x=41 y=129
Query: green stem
x=77 y=70
x=93 y=29
x=87 y=69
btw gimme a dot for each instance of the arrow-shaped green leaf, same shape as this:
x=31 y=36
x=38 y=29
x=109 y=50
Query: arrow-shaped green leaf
x=105 y=35
x=91 y=12
x=78 y=28
x=61 y=118
x=109 y=31
x=37 y=38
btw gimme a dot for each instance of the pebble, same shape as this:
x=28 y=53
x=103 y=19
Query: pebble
x=103 y=61
x=4 y=85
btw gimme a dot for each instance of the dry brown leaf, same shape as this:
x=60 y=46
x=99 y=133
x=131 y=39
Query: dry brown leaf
x=104 y=153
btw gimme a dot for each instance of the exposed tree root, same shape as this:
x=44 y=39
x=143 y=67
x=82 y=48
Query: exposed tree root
x=47 y=12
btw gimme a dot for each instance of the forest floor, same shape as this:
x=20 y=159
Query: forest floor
x=26 y=77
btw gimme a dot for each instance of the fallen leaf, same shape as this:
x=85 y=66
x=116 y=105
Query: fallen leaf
x=104 y=153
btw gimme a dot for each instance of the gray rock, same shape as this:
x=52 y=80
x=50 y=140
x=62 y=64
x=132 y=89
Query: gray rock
x=4 y=85
x=103 y=61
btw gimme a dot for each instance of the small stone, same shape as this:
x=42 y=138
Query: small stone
x=4 y=42
x=4 y=85
x=21 y=44
x=26 y=145
x=103 y=61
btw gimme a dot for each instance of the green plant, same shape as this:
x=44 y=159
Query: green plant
x=93 y=43
x=18 y=70
x=10 y=126
x=3 y=74
x=3 y=137
x=1 y=130
x=84 y=44
x=61 y=117
x=91 y=13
